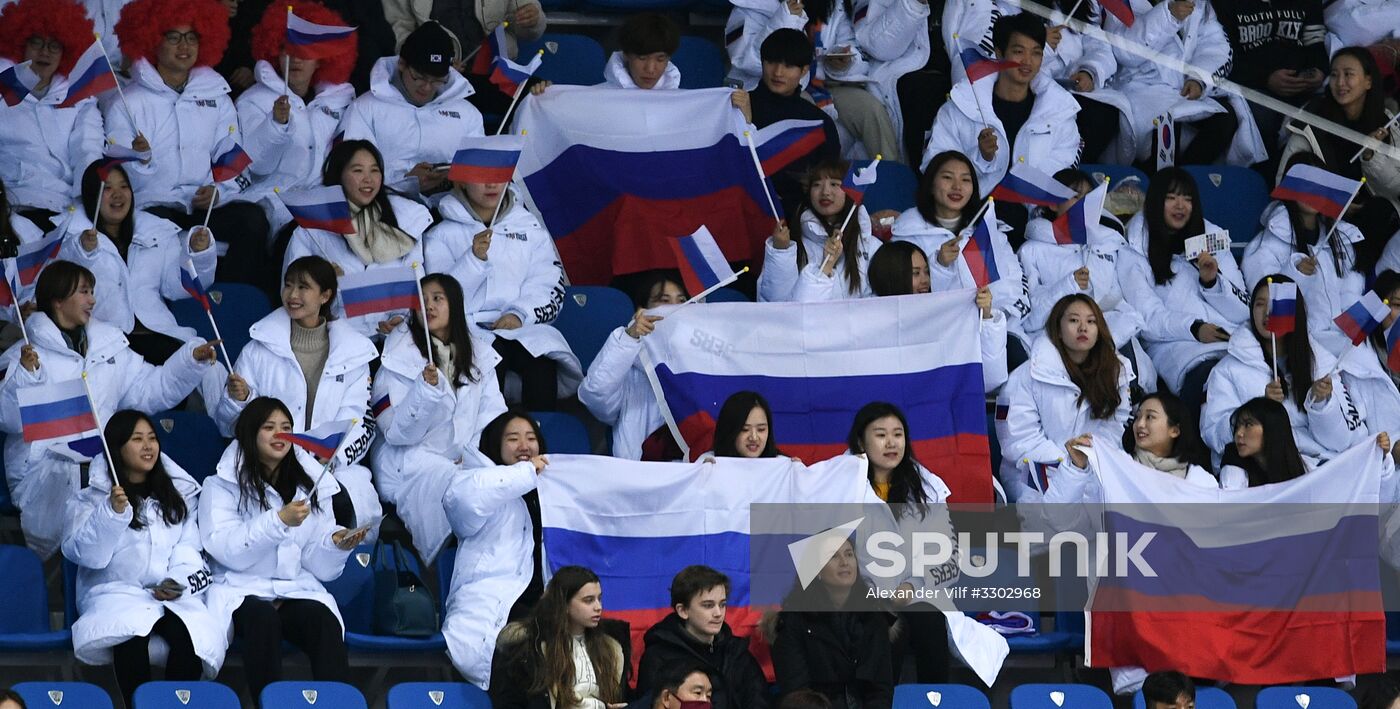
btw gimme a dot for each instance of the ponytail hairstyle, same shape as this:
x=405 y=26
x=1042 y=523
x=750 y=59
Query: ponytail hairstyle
x=1296 y=345
x=252 y=483
x=923 y=200
x=1282 y=461
x=318 y=271
x=906 y=480
x=91 y=187
x=548 y=648
x=730 y=422
x=1097 y=376
x=458 y=334
x=1162 y=242
x=158 y=486
x=851 y=237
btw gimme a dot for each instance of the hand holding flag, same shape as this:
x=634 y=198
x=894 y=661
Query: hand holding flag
x=308 y=40
x=1074 y=225
x=379 y=290
x=1330 y=194
x=1363 y=317
x=702 y=263
x=487 y=160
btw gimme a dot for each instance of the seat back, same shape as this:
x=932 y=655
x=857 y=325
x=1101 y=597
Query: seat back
x=1303 y=698
x=562 y=432
x=1059 y=696
x=38 y=695
x=354 y=591
x=568 y=58
x=297 y=694
x=182 y=695
x=701 y=63
x=1115 y=174
x=26 y=606
x=939 y=696
x=894 y=188
x=589 y=316
x=236 y=306
x=727 y=295
x=431 y=695
x=1206 y=698
x=191 y=439
x=1232 y=198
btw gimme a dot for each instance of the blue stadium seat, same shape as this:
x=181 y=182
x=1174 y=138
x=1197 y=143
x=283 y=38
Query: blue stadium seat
x=236 y=307
x=191 y=439
x=1232 y=198
x=939 y=696
x=557 y=5
x=38 y=695
x=24 y=616
x=726 y=295
x=1316 y=698
x=894 y=188
x=568 y=58
x=1392 y=633
x=431 y=695
x=563 y=432
x=354 y=594
x=446 y=563
x=630 y=6
x=701 y=63
x=1115 y=174
x=589 y=315
x=180 y=695
x=294 y=695
x=1206 y=698
x=1075 y=696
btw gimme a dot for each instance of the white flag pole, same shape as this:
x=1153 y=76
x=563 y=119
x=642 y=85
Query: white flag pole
x=111 y=462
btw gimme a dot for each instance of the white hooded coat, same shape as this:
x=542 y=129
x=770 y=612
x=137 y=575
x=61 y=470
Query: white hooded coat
x=1049 y=267
x=118 y=564
x=429 y=434
x=41 y=478
x=44 y=149
x=780 y=279
x=617 y=392
x=615 y=75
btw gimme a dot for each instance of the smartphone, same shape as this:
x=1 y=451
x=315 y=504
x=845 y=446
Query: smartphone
x=733 y=83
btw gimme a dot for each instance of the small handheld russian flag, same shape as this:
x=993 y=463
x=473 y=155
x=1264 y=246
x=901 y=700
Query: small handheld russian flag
x=91 y=76
x=1038 y=474
x=1119 y=9
x=1073 y=226
x=1283 y=307
x=978 y=65
x=379 y=290
x=701 y=261
x=492 y=45
x=782 y=143
x=17 y=82
x=308 y=40
x=232 y=160
x=978 y=251
x=857 y=180
x=1024 y=184
x=58 y=412
x=1392 y=347
x=322 y=441
x=507 y=75
x=189 y=280
x=1324 y=191
x=115 y=155
x=9 y=292
x=1363 y=317
x=35 y=255
x=486 y=160
x=320 y=208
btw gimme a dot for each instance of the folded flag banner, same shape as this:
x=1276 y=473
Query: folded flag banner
x=91 y=76
x=1363 y=317
x=115 y=155
x=1024 y=184
x=1293 y=600
x=1073 y=226
x=308 y=40
x=1283 y=308
x=320 y=208
x=818 y=363
x=611 y=169
x=61 y=413
x=1324 y=191
x=379 y=290
x=232 y=160
x=857 y=180
x=981 y=258
x=322 y=441
x=783 y=143
x=978 y=65
x=16 y=82
x=486 y=160
x=35 y=255
x=701 y=262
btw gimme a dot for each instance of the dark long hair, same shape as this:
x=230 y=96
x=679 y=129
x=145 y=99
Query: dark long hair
x=58 y=281
x=252 y=485
x=1282 y=461
x=158 y=485
x=652 y=279
x=341 y=155
x=923 y=199
x=320 y=272
x=906 y=482
x=1296 y=346
x=1340 y=256
x=495 y=432
x=820 y=11
x=1188 y=446
x=732 y=416
x=1097 y=376
x=1162 y=242
x=92 y=184
x=850 y=238
x=1337 y=151
x=891 y=270
x=548 y=648
x=458 y=334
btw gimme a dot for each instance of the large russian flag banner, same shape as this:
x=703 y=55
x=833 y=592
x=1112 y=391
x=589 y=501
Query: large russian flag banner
x=615 y=173
x=819 y=363
x=1280 y=584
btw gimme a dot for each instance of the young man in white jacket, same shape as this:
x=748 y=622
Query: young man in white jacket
x=416 y=111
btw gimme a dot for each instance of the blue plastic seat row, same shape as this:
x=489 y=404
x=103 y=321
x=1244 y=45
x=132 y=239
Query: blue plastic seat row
x=284 y=695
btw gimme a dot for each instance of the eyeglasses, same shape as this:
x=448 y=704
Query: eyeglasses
x=421 y=79
x=175 y=38
x=39 y=44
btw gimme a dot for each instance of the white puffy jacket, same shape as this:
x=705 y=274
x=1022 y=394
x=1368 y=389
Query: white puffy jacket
x=117 y=564
x=44 y=149
x=749 y=23
x=617 y=392
x=782 y=281
x=408 y=134
x=288 y=157
x=1009 y=293
x=136 y=288
x=1049 y=267
x=615 y=75
x=41 y=478
x=429 y=433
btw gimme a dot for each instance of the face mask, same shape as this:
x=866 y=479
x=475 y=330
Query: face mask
x=695 y=705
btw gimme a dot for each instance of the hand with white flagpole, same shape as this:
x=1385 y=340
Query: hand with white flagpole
x=422 y=307
x=111 y=462
x=762 y=176
x=1377 y=135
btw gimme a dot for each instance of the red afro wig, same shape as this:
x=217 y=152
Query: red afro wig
x=271 y=34
x=64 y=20
x=143 y=25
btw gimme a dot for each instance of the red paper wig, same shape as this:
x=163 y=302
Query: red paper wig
x=64 y=20
x=143 y=25
x=271 y=34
